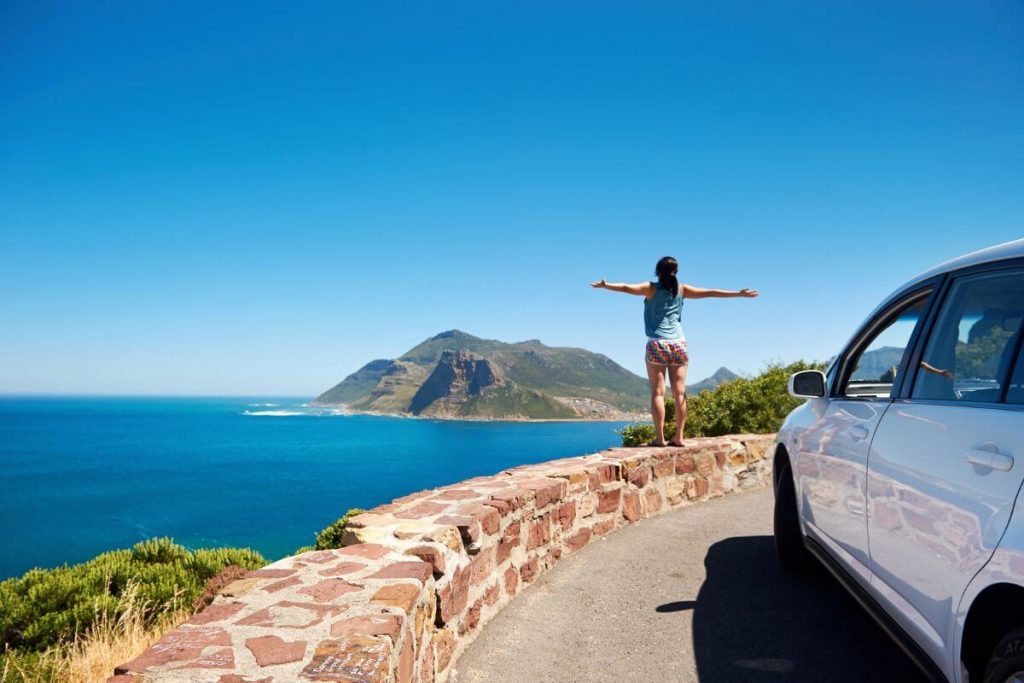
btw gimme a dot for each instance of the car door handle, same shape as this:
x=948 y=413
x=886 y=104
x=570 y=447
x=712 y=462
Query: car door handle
x=859 y=432
x=990 y=458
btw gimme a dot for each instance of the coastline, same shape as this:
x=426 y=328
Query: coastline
x=344 y=410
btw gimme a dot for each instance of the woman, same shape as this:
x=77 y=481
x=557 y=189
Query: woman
x=666 y=345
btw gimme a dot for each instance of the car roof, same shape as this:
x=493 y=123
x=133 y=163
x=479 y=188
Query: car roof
x=999 y=252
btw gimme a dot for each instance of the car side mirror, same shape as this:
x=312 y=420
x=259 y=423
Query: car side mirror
x=807 y=384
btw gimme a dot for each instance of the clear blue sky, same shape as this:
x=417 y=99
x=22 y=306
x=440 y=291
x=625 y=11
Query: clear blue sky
x=257 y=198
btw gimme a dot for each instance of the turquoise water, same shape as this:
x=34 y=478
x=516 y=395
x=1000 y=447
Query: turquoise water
x=84 y=475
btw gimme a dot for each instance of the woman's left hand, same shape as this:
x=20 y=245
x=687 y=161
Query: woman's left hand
x=749 y=293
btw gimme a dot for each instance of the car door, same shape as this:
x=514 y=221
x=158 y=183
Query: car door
x=947 y=460
x=833 y=448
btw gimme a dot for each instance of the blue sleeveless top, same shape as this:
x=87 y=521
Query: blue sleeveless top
x=661 y=314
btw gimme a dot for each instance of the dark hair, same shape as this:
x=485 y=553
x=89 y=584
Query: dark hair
x=666 y=271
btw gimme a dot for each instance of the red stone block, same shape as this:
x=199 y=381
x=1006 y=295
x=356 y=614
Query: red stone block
x=342 y=569
x=452 y=597
x=215 y=612
x=270 y=650
x=179 y=645
x=289 y=614
x=218 y=659
x=472 y=618
x=329 y=589
x=705 y=464
x=511 y=580
x=389 y=625
x=269 y=573
x=602 y=528
x=468 y=527
x=457 y=494
x=539 y=532
x=639 y=477
x=578 y=540
x=509 y=540
x=318 y=557
x=631 y=506
x=696 y=487
x=414 y=569
x=567 y=515
x=430 y=554
x=281 y=585
x=444 y=646
x=608 y=501
x=664 y=467
x=401 y=595
x=492 y=594
x=529 y=570
x=488 y=517
x=356 y=658
x=502 y=506
x=482 y=565
x=652 y=501
x=409 y=498
x=231 y=678
x=515 y=498
x=403 y=672
x=371 y=551
x=685 y=464
x=546 y=491
x=421 y=510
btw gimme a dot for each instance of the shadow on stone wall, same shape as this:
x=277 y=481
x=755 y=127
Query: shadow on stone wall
x=753 y=623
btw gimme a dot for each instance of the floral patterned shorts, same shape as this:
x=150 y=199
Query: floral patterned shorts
x=667 y=352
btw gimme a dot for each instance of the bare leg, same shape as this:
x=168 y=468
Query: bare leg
x=656 y=374
x=677 y=379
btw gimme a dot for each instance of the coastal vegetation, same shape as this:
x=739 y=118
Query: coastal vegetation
x=54 y=622
x=743 y=405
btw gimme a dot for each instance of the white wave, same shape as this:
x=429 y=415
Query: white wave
x=264 y=405
x=273 y=413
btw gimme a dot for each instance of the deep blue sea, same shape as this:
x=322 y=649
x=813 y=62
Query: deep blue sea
x=79 y=476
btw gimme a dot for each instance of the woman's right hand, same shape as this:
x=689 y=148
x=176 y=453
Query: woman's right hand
x=600 y=284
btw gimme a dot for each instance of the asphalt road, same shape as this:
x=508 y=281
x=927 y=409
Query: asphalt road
x=693 y=595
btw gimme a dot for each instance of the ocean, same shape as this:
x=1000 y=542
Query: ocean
x=83 y=475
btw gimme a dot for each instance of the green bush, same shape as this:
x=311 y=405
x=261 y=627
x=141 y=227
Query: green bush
x=47 y=607
x=330 y=536
x=745 y=405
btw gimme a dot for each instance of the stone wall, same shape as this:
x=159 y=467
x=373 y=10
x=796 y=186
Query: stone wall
x=419 y=576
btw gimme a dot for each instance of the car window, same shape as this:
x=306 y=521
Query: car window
x=877 y=362
x=970 y=351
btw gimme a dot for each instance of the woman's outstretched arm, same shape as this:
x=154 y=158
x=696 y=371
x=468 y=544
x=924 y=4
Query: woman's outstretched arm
x=640 y=289
x=691 y=292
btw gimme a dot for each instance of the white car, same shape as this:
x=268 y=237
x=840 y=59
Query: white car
x=901 y=473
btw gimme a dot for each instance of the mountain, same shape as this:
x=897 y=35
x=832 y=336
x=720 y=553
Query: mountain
x=721 y=376
x=455 y=374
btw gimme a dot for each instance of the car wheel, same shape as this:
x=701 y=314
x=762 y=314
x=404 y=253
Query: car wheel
x=1006 y=664
x=789 y=541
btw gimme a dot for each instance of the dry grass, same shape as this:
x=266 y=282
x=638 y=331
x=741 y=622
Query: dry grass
x=91 y=657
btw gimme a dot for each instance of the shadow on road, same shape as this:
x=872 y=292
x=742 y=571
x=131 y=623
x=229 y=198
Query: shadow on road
x=753 y=623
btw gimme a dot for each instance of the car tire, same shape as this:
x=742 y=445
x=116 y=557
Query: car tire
x=1006 y=663
x=789 y=540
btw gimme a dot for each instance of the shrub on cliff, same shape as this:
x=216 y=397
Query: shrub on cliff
x=330 y=536
x=745 y=405
x=48 y=607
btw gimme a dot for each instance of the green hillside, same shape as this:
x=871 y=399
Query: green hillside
x=522 y=380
